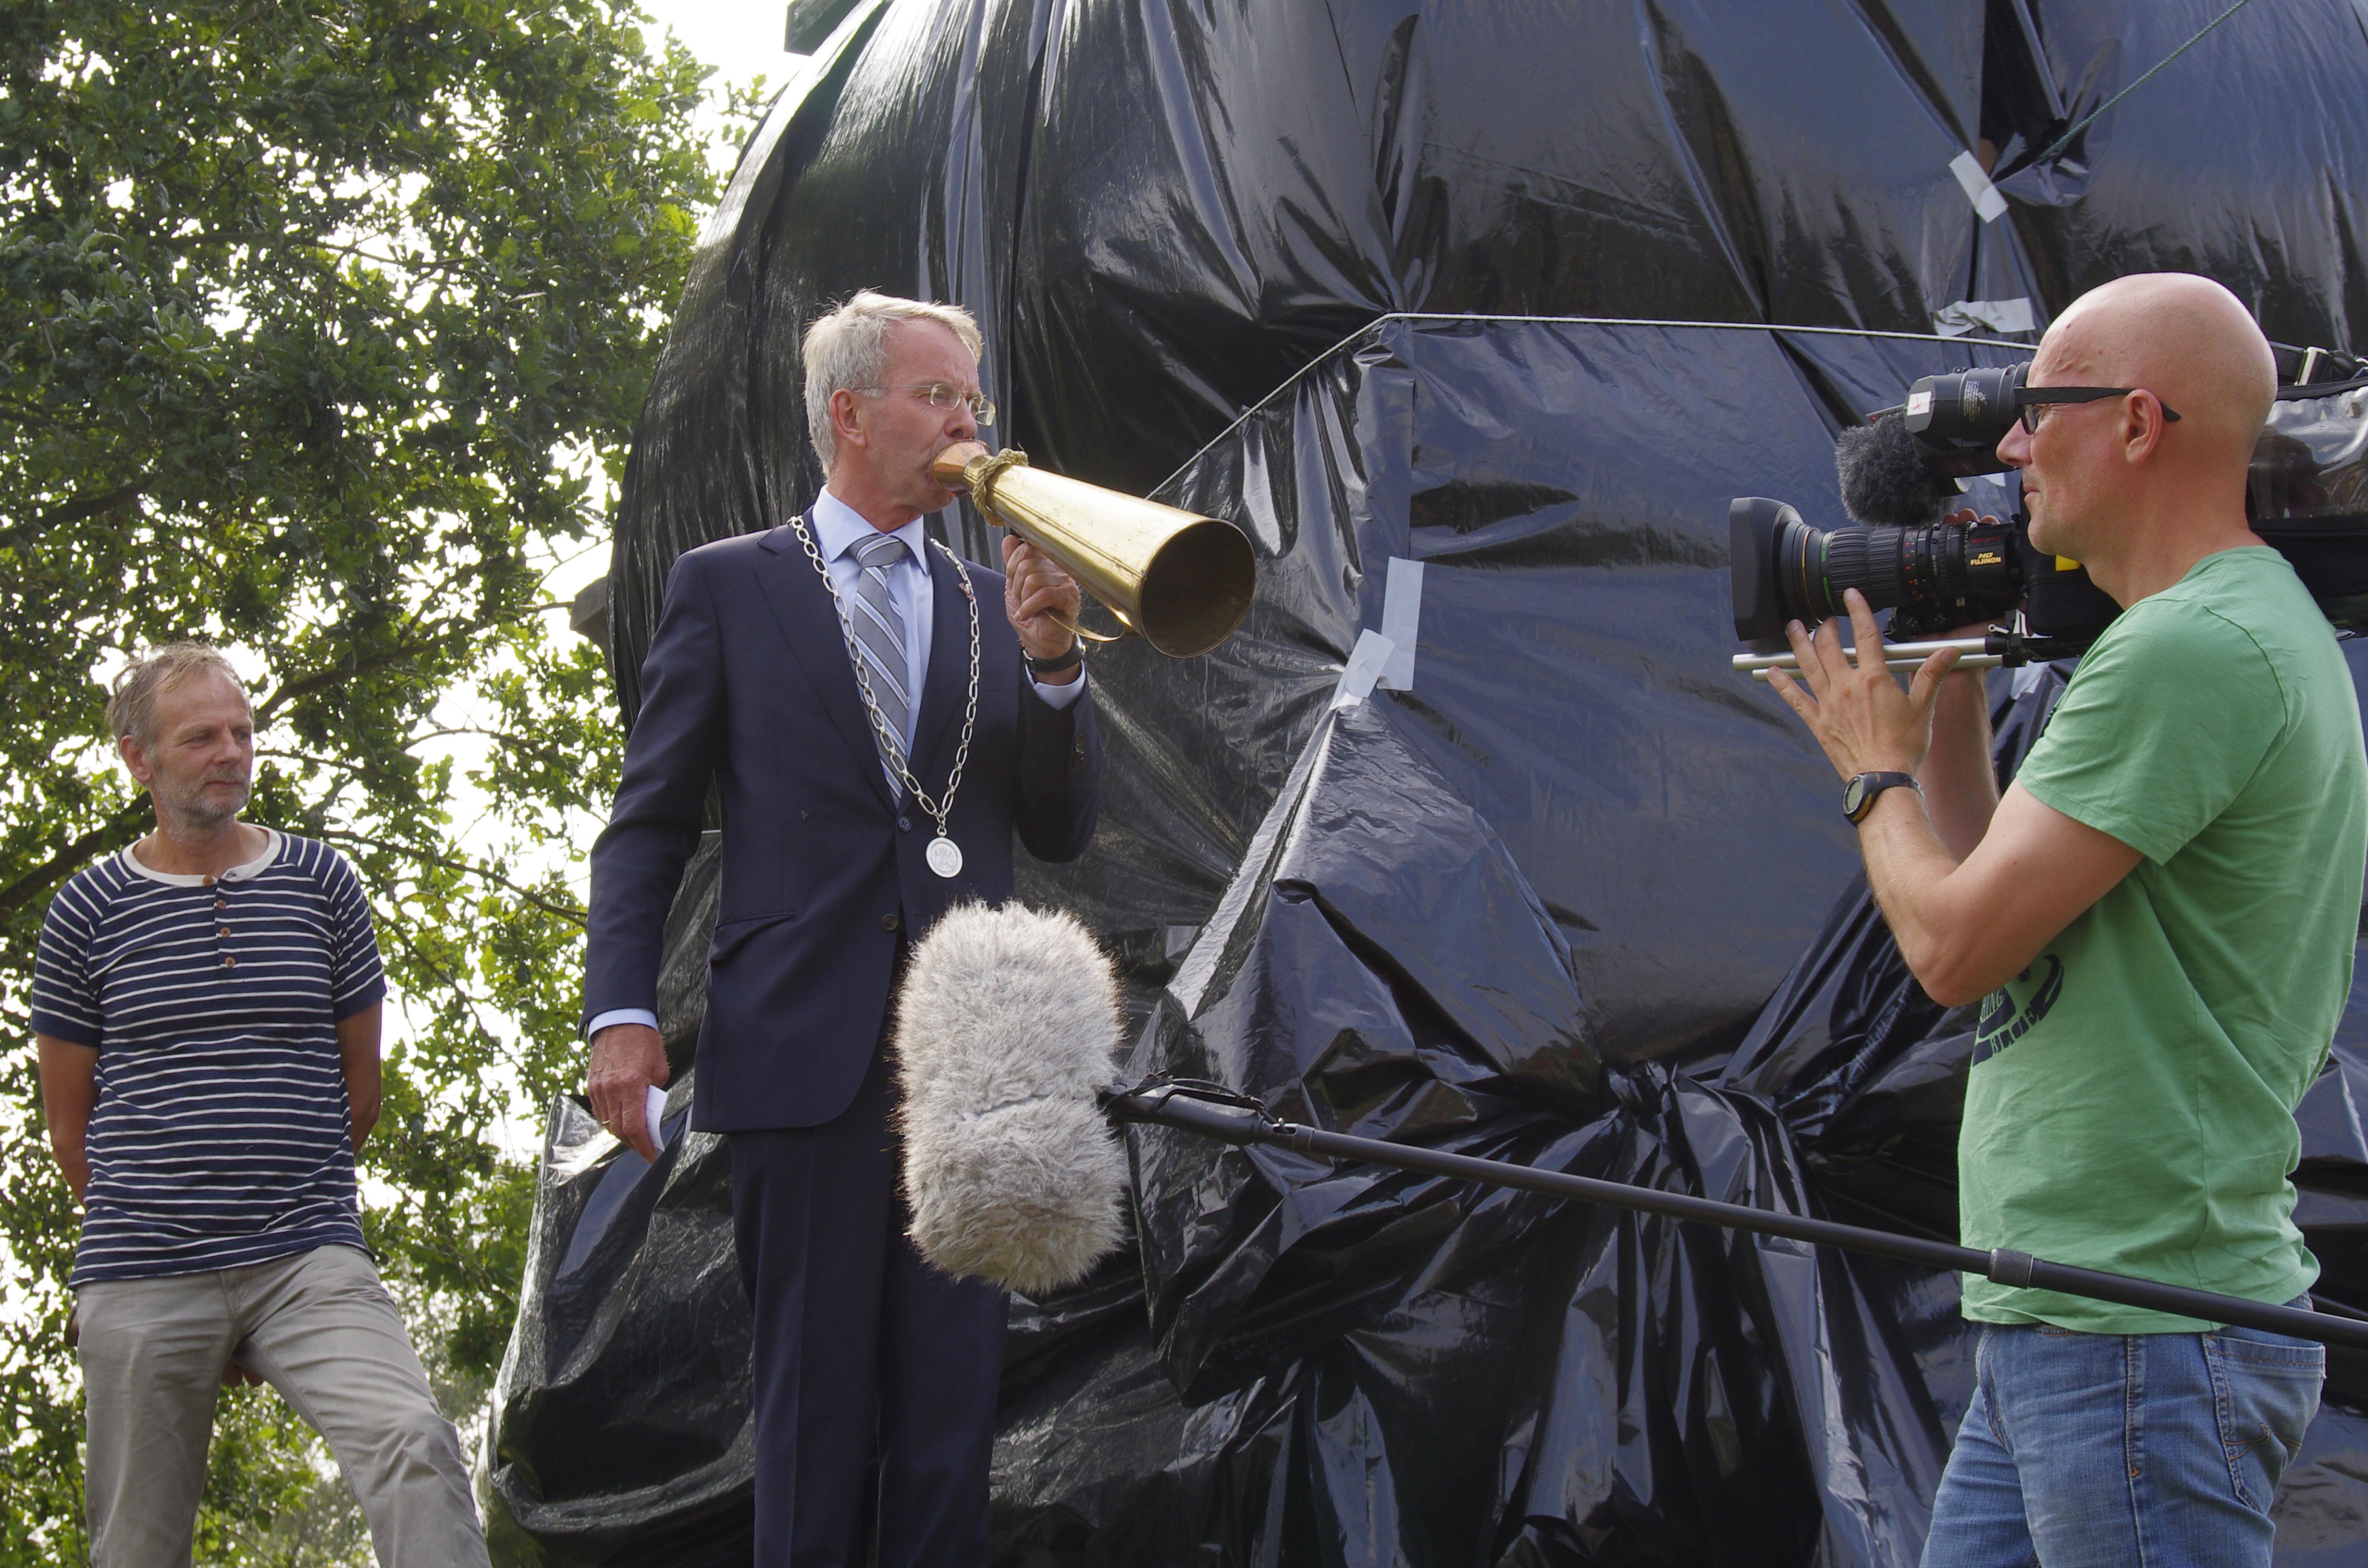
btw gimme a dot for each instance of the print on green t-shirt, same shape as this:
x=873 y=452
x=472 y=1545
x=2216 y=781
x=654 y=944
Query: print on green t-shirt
x=2015 y=1009
x=2131 y=1101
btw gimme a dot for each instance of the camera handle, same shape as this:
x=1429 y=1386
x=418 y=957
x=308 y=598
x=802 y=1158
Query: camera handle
x=2008 y=649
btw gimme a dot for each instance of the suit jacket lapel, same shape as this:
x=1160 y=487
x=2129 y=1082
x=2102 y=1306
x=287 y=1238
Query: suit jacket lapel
x=946 y=685
x=803 y=609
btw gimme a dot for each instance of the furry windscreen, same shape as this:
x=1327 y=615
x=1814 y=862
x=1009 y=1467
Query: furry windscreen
x=1884 y=478
x=1007 y=1024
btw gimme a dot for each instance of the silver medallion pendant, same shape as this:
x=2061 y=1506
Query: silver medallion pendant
x=944 y=857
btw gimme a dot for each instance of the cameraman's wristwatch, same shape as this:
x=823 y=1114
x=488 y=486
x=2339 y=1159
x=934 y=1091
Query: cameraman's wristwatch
x=1859 y=793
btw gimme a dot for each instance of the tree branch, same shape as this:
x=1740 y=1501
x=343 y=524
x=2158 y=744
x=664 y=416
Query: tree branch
x=521 y=742
x=466 y=869
x=22 y=412
x=322 y=680
x=83 y=506
x=402 y=932
x=113 y=833
x=255 y=239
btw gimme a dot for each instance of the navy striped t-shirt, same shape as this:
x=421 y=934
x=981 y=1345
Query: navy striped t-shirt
x=221 y=1136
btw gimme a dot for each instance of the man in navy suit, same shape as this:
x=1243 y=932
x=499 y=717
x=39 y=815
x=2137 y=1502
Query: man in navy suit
x=824 y=678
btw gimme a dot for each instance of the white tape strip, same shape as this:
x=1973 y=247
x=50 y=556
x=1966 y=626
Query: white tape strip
x=1401 y=621
x=1365 y=661
x=1988 y=205
x=1990 y=315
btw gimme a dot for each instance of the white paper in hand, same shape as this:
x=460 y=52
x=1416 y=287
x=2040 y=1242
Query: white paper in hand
x=654 y=1113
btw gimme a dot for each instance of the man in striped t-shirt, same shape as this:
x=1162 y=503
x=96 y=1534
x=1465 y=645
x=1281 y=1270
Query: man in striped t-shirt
x=206 y=1003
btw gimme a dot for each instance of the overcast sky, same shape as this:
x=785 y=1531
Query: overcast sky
x=740 y=37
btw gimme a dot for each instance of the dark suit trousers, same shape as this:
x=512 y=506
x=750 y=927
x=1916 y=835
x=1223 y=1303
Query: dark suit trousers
x=875 y=1375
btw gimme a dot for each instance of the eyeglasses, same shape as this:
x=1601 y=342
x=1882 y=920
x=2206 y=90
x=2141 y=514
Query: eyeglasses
x=942 y=397
x=2034 y=402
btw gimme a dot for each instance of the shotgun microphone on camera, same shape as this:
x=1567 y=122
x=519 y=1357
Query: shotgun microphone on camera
x=1885 y=482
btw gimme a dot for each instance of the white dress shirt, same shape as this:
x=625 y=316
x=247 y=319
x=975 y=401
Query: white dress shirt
x=838 y=530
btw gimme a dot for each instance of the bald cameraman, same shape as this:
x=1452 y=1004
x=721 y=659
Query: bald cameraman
x=2161 y=913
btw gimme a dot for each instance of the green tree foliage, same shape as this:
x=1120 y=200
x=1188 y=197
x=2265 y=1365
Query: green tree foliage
x=322 y=325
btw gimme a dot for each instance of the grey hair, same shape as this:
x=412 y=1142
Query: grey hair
x=848 y=347
x=131 y=703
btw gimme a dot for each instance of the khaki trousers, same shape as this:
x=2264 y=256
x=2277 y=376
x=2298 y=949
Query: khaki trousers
x=321 y=1329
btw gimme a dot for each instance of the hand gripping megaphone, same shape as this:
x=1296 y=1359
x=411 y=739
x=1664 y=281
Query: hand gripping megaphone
x=1181 y=581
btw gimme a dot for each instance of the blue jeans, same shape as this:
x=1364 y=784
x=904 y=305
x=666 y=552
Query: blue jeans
x=2154 y=1450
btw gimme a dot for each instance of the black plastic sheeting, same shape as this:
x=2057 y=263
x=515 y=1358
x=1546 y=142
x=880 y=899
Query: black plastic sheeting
x=2247 y=144
x=1563 y=486
x=1577 y=896
x=1461 y=1374
x=620 y=1430
x=1534 y=903
x=1386 y=1367
x=1161 y=213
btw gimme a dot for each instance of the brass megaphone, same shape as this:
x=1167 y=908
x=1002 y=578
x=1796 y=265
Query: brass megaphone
x=1181 y=580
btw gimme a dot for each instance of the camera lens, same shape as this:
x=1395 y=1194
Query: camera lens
x=1872 y=560
x=1937 y=575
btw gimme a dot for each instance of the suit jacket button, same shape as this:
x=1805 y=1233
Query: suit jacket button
x=904 y=824
x=887 y=923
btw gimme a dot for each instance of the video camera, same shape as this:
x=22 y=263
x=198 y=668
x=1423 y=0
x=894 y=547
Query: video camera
x=1902 y=471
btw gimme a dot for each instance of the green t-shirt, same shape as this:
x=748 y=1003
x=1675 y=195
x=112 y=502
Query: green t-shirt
x=2131 y=1104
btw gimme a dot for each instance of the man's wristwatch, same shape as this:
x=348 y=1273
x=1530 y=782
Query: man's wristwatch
x=1058 y=662
x=1859 y=792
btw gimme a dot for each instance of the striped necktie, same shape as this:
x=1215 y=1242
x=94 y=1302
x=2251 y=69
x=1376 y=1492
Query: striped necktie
x=880 y=630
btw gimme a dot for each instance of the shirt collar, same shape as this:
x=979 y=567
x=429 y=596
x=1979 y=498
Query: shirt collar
x=839 y=528
x=254 y=868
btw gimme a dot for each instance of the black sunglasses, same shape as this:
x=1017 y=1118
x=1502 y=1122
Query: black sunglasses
x=2029 y=401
